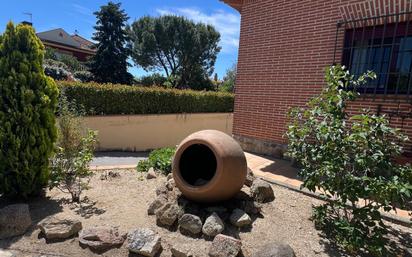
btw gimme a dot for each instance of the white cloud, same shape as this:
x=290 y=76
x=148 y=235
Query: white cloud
x=228 y=24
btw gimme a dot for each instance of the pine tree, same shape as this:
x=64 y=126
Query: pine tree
x=110 y=62
x=28 y=101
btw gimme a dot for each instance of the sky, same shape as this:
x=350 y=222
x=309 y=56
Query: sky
x=78 y=15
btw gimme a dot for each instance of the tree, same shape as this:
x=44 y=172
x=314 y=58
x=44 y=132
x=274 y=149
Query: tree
x=184 y=50
x=229 y=80
x=350 y=159
x=28 y=100
x=109 y=65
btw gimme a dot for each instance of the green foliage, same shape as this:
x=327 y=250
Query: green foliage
x=181 y=48
x=28 y=100
x=154 y=79
x=160 y=159
x=121 y=99
x=350 y=159
x=109 y=65
x=56 y=69
x=70 y=166
x=228 y=84
x=71 y=63
x=83 y=76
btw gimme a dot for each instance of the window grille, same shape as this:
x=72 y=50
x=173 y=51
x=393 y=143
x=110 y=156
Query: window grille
x=382 y=44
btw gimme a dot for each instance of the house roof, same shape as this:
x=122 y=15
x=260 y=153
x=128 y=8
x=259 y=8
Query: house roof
x=59 y=36
x=84 y=43
x=237 y=4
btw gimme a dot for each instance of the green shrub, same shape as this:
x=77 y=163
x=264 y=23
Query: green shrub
x=160 y=159
x=350 y=159
x=83 y=76
x=109 y=99
x=154 y=79
x=56 y=69
x=70 y=166
x=28 y=100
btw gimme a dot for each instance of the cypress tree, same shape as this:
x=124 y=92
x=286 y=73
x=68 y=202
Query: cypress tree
x=109 y=65
x=28 y=101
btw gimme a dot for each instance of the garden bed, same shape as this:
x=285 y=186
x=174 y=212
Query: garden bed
x=123 y=201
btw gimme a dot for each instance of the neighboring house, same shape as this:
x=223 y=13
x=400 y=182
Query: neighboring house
x=286 y=45
x=65 y=43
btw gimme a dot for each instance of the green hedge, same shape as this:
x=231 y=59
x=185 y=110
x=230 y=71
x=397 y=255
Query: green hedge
x=101 y=99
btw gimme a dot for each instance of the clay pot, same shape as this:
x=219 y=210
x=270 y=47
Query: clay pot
x=209 y=166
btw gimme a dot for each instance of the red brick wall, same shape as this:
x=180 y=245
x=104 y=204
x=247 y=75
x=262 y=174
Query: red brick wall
x=285 y=46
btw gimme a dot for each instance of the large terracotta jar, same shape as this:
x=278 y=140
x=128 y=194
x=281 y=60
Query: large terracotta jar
x=209 y=166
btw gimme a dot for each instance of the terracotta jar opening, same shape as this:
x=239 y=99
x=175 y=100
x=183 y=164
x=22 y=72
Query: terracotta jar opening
x=197 y=165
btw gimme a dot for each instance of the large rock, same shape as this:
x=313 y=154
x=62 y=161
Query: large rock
x=158 y=203
x=102 y=238
x=144 y=241
x=239 y=218
x=225 y=246
x=275 y=250
x=250 y=177
x=191 y=224
x=262 y=191
x=55 y=228
x=14 y=220
x=213 y=225
x=168 y=214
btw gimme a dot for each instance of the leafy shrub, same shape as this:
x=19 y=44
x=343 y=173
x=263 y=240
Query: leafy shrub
x=121 y=99
x=350 y=159
x=71 y=63
x=57 y=70
x=160 y=159
x=154 y=79
x=70 y=166
x=83 y=76
x=28 y=100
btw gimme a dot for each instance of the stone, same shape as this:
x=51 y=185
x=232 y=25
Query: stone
x=5 y=253
x=151 y=174
x=225 y=246
x=144 y=241
x=14 y=220
x=190 y=223
x=262 y=191
x=169 y=176
x=157 y=203
x=213 y=225
x=251 y=207
x=55 y=228
x=102 y=238
x=161 y=190
x=181 y=251
x=170 y=184
x=239 y=218
x=168 y=214
x=275 y=250
x=250 y=177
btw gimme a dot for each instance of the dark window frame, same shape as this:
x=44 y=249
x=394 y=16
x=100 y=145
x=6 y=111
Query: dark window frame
x=383 y=44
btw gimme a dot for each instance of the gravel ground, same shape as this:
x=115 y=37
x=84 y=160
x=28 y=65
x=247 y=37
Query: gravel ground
x=123 y=202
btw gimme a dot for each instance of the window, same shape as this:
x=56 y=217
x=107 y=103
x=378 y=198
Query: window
x=383 y=45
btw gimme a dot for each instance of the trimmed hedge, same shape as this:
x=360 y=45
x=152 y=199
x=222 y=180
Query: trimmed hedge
x=106 y=99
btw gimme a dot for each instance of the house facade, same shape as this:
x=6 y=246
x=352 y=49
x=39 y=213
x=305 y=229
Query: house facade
x=285 y=47
x=64 y=43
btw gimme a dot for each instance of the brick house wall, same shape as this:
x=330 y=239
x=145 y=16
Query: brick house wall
x=285 y=46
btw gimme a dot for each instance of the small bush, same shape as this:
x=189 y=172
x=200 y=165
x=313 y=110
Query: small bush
x=70 y=166
x=160 y=159
x=56 y=70
x=106 y=99
x=83 y=76
x=154 y=79
x=351 y=160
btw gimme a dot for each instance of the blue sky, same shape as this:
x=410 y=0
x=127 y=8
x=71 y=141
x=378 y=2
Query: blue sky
x=78 y=15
